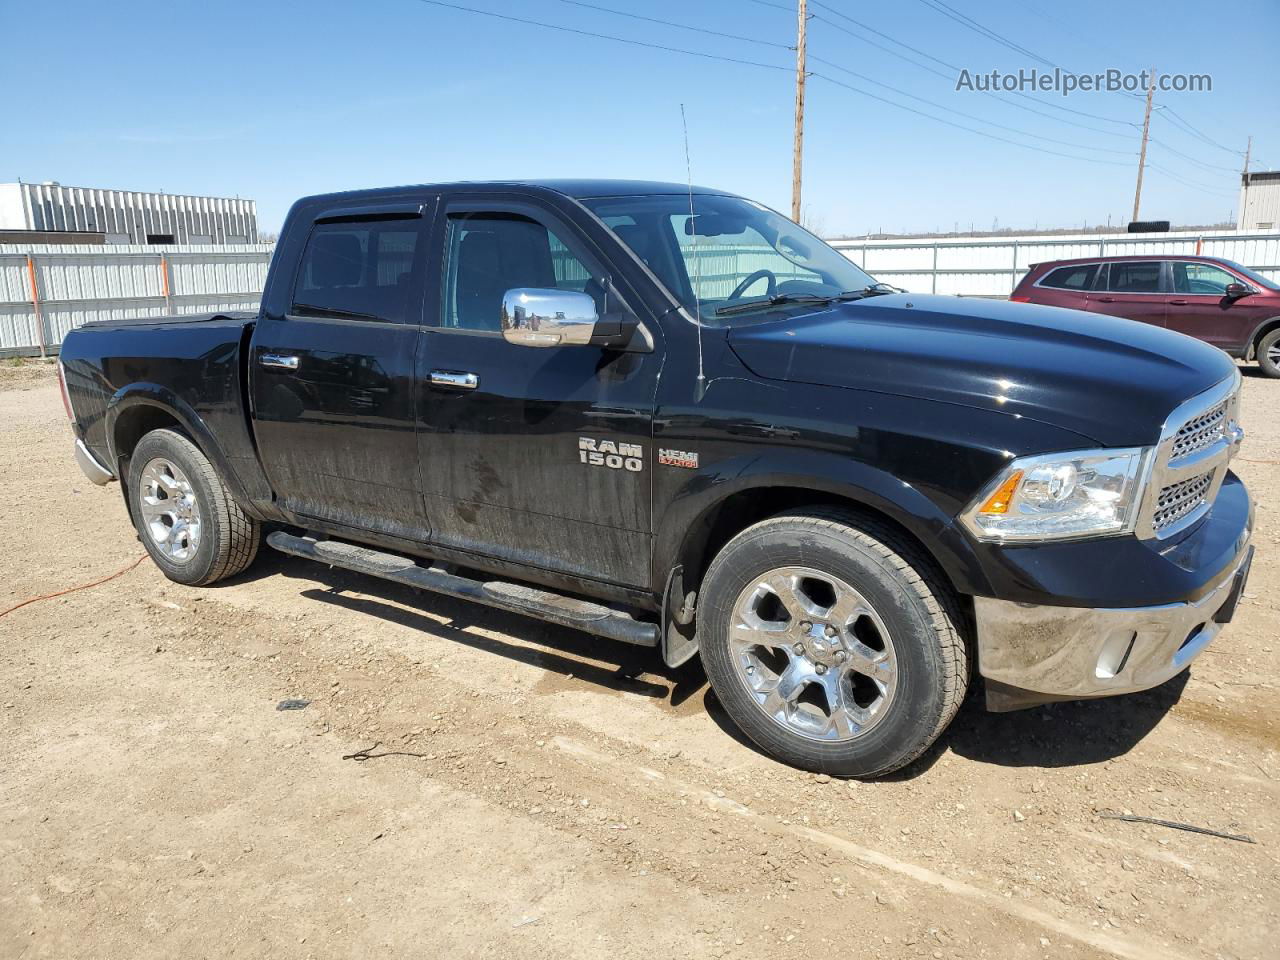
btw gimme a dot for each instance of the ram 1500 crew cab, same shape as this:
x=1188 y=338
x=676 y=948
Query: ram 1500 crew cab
x=673 y=418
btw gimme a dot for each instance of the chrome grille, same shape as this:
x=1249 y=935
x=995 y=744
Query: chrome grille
x=1190 y=461
x=1200 y=431
x=1179 y=499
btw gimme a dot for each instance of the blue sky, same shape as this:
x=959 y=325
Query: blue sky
x=273 y=100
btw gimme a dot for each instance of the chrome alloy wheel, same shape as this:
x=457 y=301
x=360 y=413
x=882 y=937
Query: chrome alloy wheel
x=1273 y=353
x=170 y=512
x=813 y=653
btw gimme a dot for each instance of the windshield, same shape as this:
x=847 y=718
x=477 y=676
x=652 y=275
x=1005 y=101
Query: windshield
x=730 y=251
x=1253 y=275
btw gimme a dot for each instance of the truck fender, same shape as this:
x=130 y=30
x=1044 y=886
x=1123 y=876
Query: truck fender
x=823 y=473
x=129 y=398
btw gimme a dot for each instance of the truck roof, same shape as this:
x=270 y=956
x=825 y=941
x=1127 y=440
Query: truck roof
x=577 y=189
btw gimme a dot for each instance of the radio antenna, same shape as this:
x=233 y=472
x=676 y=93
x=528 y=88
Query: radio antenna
x=697 y=260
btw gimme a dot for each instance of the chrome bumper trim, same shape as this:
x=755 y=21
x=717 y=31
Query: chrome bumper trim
x=89 y=464
x=1070 y=653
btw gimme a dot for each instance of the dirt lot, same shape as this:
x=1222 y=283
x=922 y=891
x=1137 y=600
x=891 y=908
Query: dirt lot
x=538 y=793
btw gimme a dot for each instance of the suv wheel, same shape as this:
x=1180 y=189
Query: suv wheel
x=1269 y=353
x=832 y=643
x=194 y=531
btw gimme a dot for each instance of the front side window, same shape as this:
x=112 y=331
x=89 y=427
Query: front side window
x=1200 y=278
x=1139 y=276
x=1079 y=277
x=488 y=254
x=727 y=250
x=359 y=271
x=1253 y=276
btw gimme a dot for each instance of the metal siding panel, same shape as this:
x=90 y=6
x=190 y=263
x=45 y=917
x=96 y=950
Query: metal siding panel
x=992 y=267
x=81 y=282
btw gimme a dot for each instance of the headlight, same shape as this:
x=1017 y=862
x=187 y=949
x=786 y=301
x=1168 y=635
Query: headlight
x=1085 y=493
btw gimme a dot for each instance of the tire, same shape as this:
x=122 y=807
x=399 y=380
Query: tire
x=1268 y=353
x=195 y=532
x=900 y=666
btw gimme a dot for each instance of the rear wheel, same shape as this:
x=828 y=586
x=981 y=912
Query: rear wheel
x=195 y=532
x=832 y=643
x=1269 y=353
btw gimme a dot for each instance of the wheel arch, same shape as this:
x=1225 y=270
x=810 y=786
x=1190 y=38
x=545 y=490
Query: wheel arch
x=702 y=523
x=1265 y=327
x=139 y=408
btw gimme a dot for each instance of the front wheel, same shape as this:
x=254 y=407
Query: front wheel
x=195 y=532
x=832 y=643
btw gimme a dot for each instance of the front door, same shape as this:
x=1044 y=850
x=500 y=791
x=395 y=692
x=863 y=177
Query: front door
x=1200 y=308
x=1132 y=289
x=539 y=456
x=332 y=382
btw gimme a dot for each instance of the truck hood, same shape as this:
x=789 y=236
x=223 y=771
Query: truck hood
x=1114 y=381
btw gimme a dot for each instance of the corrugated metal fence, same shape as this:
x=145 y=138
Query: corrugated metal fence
x=46 y=290
x=993 y=267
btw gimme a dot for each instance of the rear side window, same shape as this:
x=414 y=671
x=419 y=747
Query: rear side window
x=1078 y=277
x=1136 y=277
x=360 y=270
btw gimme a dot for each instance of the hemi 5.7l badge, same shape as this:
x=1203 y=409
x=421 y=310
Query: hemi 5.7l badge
x=678 y=458
x=606 y=453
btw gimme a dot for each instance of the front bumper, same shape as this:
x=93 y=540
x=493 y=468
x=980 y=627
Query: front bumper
x=1031 y=654
x=89 y=464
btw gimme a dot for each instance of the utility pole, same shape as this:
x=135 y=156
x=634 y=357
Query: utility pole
x=797 y=155
x=1244 y=183
x=1142 y=156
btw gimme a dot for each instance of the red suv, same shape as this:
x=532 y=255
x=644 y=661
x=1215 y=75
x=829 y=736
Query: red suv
x=1213 y=300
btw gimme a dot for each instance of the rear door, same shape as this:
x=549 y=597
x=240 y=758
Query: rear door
x=1199 y=307
x=332 y=380
x=535 y=456
x=1066 y=286
x=1134 y=289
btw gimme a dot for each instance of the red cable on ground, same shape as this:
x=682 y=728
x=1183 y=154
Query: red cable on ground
x=83 y=586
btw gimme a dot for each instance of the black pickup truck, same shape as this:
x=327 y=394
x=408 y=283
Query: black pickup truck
x=671 y=417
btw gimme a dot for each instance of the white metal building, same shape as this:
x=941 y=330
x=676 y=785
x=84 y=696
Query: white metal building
x=1259 y=201
x=125 y=216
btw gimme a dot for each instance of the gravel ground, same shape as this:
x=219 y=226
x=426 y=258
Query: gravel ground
x=534 y=792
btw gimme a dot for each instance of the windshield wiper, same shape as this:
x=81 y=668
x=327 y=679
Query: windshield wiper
x=777 y=300
x=874 y=290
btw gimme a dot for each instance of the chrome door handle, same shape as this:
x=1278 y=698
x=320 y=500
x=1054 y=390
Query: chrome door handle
x=1178 y=303
x=454 y=380
x=278 y=361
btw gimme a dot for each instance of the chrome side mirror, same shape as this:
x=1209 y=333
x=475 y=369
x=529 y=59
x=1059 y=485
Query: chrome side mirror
x=534 y=317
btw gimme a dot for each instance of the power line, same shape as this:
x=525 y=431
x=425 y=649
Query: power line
x=602 y=36
x=990 y=93
x=1191 y=159
x=927 y=56
x=1179 y=121
x=1189 y=183
x=961 y=113
x=971 y=24
x=961 y=126
x=767 y=66
x=837 y=66
x=679 y=26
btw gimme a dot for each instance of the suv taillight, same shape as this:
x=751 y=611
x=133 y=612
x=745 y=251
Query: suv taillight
x=66 y=397
x=1019 y=298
